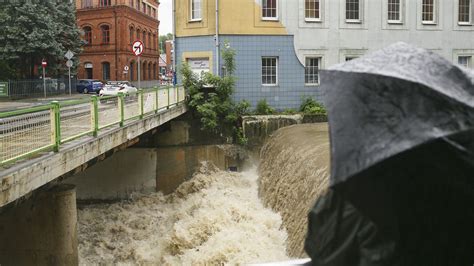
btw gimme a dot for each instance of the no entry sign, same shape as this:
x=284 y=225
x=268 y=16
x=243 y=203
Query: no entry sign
x=137 y=48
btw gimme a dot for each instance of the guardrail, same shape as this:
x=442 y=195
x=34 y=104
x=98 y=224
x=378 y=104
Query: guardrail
x=26 y=132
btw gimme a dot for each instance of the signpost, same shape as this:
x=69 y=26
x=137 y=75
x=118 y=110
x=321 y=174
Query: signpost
x=137 y=49
x=69 y=55
x=125 y=71
x=43 y=65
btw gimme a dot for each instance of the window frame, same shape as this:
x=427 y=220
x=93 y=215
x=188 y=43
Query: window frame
x=104 y=76
x=319 y=60
x=434 y=13
x=87 y=4
x=191 y=14
x=318 y=19
x=87 y=35
x=276 y=71
x=276 y=18
x=359 y=12
x=104 y=3
x=470 y=14
x=469 y=60
x=400 y=13
x=104 y=34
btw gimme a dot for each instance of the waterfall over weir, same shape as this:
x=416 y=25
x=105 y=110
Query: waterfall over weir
x=217 y=217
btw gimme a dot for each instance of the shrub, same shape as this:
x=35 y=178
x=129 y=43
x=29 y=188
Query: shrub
x=310 y=106
x=263 y=108
x=289 y=111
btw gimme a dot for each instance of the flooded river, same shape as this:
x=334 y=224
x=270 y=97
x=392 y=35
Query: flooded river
x=214 y=218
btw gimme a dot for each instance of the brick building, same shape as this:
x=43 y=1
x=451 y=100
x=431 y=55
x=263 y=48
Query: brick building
x=110 y=27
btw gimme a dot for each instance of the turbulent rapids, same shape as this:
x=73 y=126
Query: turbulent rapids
x=217 y=217
x=214 y=218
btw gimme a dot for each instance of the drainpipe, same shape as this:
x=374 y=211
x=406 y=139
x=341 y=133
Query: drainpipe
x=174 y=41
x=116 y=45
x=217 y=38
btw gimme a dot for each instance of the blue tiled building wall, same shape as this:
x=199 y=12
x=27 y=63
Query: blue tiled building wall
x=249 y=51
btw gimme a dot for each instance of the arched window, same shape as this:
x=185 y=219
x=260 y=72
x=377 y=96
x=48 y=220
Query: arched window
x=138 y=34
x=144 y=71
x=106 y=71
x=105 y=30
x=132 y=71
x=87 y=35
x=132 y=4
x=154 y=71
x=149 y=71
x=144 y=39
x=138 y=4
x=154 y=41
x=132 y=31
x=149 y=41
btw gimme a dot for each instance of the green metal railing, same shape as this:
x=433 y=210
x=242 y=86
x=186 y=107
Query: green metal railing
x=26 y=132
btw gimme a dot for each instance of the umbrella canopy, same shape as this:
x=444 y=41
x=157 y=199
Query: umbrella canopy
x=402 y=148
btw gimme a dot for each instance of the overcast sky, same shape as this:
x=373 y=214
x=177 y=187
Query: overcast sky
x=165 y=16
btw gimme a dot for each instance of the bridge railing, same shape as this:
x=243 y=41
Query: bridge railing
x=26 y=132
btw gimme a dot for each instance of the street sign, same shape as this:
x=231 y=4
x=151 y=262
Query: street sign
x=44 y=63
x=69 y=54
x=137 y=48
x=3 y=89
x=125 y=68
x=69 y=63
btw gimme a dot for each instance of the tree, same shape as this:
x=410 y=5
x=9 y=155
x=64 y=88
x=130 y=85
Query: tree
x=163 y=39
x=33 y=30
x=214 y=107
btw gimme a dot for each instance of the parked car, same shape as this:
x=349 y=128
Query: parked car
x=89 y=85
x=114 y=87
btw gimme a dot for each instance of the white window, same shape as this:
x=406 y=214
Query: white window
x=270 y=71
x=394 y=11
x=312 y=10
x=195 y=6
x=269 y=9
x=465 y=61
x=464 y=12
x=311 y=70
x=352 y=11
x=428 y=11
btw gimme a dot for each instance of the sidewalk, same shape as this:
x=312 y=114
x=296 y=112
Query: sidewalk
x=10 y=105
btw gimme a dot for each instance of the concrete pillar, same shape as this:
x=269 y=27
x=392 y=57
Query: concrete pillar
x=42 y=230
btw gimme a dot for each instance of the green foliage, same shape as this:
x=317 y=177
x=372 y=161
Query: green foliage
x=32 y=30
x=289 y=112
x=310 y=106
x=163 y=39
x=210 y=99
x=263 y=108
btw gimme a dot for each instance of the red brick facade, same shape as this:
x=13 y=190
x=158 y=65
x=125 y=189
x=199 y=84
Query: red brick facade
x=110 y=30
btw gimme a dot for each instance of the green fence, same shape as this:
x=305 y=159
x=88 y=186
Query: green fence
x=26 y=132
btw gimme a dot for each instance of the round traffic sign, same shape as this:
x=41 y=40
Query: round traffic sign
x=125 y=68
x=137 y=48
x=69 y=63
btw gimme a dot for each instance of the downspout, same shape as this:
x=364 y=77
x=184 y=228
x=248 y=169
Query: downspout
x=174 y=41
x=116 y=45
x=217 y=38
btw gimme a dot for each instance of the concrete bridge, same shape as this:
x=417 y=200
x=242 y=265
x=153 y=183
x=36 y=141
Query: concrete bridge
x=40 y=144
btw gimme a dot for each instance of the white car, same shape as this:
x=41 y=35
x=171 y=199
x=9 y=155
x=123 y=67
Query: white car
x=114 y=87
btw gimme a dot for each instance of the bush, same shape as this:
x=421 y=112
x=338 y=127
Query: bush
x=289 y=112
x=263 y=108
x=310 y=106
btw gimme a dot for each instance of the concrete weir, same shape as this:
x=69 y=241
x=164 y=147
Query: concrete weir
x=42 y=230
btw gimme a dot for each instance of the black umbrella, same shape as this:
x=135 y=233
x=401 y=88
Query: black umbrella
x=402 y=150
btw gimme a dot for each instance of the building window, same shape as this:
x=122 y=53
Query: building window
x=149 y=41
x=144 y=40
x=106 y=71
x=394 y=11
x=86 y=3
x=464 y=15
x=312 y=9
x=104 y=2
x=195 y=9
x=138 y=34
x=143 y=7
x=132 y=71
x=132 y=31
x=154 y=13
x=269 y=9
x=465 y=61
x=311 y=70
x=270 y=71
x=154 y=41
x=87 y=35
x=105 y=30
x=352 y=10
x=132 y=4
x=138 y=5
x=149 y=71
x=427 y=11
